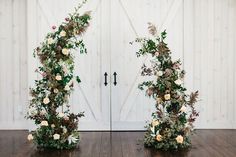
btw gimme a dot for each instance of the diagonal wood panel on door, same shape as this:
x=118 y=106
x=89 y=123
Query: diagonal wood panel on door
x=126 y=106
x=128 y=103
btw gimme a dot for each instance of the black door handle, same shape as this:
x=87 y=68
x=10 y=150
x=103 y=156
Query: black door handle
x=105 y=83
x=115 y=82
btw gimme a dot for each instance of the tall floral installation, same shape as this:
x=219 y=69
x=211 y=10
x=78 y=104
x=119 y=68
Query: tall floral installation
x=172 y=121
x=49 y=105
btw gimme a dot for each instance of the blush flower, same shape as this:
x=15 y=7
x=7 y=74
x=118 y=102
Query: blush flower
x=54 y=27
x=58 y=78
x=46 y=100
x=179 y=139
x=149 y=91
x=157 y=53
x=183 y=109
x=50 y=41
x=30 y=137
x=159 y=138
x=65 y=51
x=44 y=123
x=155 y=122
x=62 y=33
x=55 y=90
x=167 y=96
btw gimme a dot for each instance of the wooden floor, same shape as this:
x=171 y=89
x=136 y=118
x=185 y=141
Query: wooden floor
x=206 y=143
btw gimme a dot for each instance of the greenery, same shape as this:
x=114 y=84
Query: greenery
x=172 y=122
x=49 y=106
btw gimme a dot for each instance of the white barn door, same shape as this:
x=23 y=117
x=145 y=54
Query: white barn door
x=114 y=24
x=130 y=107
x=90 y=96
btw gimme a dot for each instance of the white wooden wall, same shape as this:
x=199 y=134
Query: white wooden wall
x=200 y=32
x=209 y=59
x=13 y=64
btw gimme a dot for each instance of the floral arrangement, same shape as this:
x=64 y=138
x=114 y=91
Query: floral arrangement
x=49 y=106
x=172 y=122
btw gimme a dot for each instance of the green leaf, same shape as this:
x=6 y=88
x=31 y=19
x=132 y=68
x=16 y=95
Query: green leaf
x=163 y=34
x=78 y=79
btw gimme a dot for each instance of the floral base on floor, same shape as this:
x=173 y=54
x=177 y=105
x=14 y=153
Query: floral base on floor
x=49 y=106
x=172 y=122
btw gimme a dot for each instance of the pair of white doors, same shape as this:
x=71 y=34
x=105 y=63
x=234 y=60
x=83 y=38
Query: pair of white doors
x=110 y=71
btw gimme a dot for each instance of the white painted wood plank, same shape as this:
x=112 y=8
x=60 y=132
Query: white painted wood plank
x=23 y=61
x=15 y=59
x=2 y=63
x=32 y=26
x=8 y=66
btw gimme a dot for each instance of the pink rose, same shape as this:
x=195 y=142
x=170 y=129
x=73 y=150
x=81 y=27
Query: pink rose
x=149 y=91
x=54 y=27
x=156 y=53
x=44 y=74
x=66 y=118
x=168 y=72
x=176 y=66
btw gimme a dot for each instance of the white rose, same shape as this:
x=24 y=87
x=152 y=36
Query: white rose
x=50 y=41
x=178 y=82
x=67 y=88
x=155 y=122
x=55 y=90
x=58 y=78
x=61 y=115
x=30 y=137
x=159 y=137
x=183 y=109
x=53 y=126
x=56 y=136
x=65 y=51
x=62 y=33
x=159 y=73
x=44 y=123
x=179 y=139
x=64 y=130
x=167 y=96
x=46 y=100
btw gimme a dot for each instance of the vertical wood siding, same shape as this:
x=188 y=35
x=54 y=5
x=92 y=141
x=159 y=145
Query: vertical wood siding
x=13 y=63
